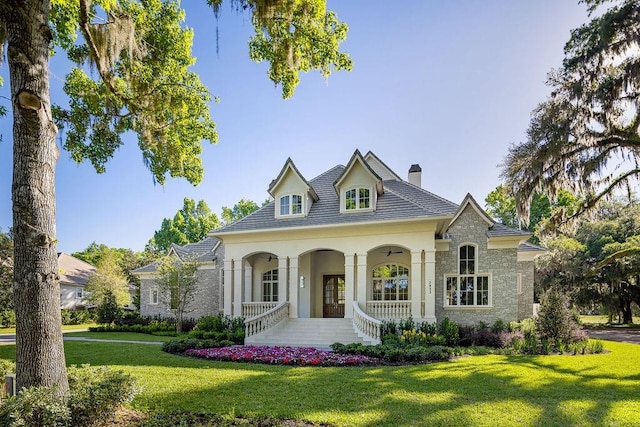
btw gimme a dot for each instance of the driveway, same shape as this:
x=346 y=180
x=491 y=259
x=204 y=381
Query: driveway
x=631 y=336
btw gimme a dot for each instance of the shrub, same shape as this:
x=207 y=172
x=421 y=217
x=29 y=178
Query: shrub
x=555 y=321
x=108 y=309
x=449 y=331
x=97 y=392
x=182 y=345
x=35 y=407
x=6 y=367
x=7 y=318
x=595 y=346
x=76 y=317
x=438 y=352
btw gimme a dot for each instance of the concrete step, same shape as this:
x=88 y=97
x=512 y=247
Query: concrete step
x=308 y=333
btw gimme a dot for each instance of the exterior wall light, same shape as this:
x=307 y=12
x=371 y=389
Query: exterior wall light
x=302 y=281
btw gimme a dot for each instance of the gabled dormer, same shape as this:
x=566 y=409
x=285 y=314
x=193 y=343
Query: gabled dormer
x=358 y=186
x=292 y=194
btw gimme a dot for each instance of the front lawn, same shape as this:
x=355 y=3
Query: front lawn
x=125 y=336
x=490 y=390
x=64 y=328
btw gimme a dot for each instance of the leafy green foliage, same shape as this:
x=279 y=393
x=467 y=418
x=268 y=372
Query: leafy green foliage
x=35 y=407
x=178 y=285
x=555 y=322
x=189 y=225
x=108 y=283
x=108 y=309
x=7 y=318
x=297 y=36
x=241 y=209
x=145 y=86
x=76 y=317
x=96 y=393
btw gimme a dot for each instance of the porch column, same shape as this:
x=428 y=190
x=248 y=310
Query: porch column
x=248 y=281
x=361 y=279
x=294 y=279
x=282 y=279
x=430 y=287
x=228 y=287
x=348 y=285
x=416 y=284
x=237 y=288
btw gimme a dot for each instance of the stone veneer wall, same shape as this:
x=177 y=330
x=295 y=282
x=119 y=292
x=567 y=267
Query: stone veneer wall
x=500 y=264
x=205 y=303
x=525 y=298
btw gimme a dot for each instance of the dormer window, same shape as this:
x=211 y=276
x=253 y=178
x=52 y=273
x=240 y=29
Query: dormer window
x=291 y=204
x=357 y=198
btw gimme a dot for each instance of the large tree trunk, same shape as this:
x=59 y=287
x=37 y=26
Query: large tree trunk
x=39 y=348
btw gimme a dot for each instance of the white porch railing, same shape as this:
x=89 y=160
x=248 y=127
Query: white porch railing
x=266 y=320
x=389 y=309
x=366 y=325
x=253 y=309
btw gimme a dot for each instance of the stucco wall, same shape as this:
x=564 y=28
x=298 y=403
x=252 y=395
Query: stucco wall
x=500 y=264
x=206 y=302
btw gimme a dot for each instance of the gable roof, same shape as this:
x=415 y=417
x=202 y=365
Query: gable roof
x=386 y=170
x=399 y=201
x=357 y=158
x=289 y=165
x=73 y=271
x=470 y=201
x=203 y=251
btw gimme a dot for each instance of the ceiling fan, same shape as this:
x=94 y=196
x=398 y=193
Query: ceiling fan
x=393 y=252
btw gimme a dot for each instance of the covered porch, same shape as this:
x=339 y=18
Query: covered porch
x=384 y=282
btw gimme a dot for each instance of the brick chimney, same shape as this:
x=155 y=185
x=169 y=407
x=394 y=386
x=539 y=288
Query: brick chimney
x=415 y=175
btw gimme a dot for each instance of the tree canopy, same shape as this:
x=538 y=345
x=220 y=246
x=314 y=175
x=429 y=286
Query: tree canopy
x=584 y=138
x=597 y=266
x=6 y=271
x=241 y=209
x=108 y=280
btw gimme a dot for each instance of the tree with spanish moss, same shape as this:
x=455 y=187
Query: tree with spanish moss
x=140 y=52
x=585 y=137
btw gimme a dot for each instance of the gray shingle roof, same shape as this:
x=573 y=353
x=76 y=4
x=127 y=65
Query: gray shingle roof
x=73 y=271
x=204 y=250
x=400 y=200
x=530 y=247
x=499 y=230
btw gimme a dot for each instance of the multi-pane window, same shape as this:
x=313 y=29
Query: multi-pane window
x=79 y=293
x=467 y=288
x=357 y=198
x=270 y=286
x=291 y=204
x=390 y=283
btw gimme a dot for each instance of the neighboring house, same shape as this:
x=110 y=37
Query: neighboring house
x=358 y=242
x=207 y=301
x=74 y=274
x=358 y=238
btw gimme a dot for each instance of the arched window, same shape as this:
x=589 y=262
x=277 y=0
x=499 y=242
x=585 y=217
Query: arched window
x=390 y=283
x=467 y=288
x=270 y=286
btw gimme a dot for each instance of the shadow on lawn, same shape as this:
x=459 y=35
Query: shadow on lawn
x=516 y=390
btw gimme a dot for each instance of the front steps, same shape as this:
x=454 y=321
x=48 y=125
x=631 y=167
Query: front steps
x=320 y=333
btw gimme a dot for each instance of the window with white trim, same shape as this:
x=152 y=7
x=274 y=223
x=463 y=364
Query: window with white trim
x=153 y=296
x=357 y=198
x=467 y=288
x=390 y=283
x=270 y=286
x=291 y=204
x=79 y=293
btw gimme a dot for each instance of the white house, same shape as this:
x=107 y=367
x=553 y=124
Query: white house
x=73 y=278
x=360 y=244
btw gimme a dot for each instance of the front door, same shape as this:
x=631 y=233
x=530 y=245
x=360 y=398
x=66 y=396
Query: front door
x=333 y=296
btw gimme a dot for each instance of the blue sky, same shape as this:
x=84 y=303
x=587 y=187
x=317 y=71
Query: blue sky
x=449 y=85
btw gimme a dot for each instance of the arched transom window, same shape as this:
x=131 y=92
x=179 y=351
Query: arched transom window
x=390 y=283
x=468 y=287
x=270 y=286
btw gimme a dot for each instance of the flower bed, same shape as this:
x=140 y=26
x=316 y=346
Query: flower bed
x=296 y=356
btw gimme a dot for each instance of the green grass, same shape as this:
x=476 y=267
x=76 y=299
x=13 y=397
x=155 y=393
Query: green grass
x=476 y=391
x=127 y=336
x=64 y=328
